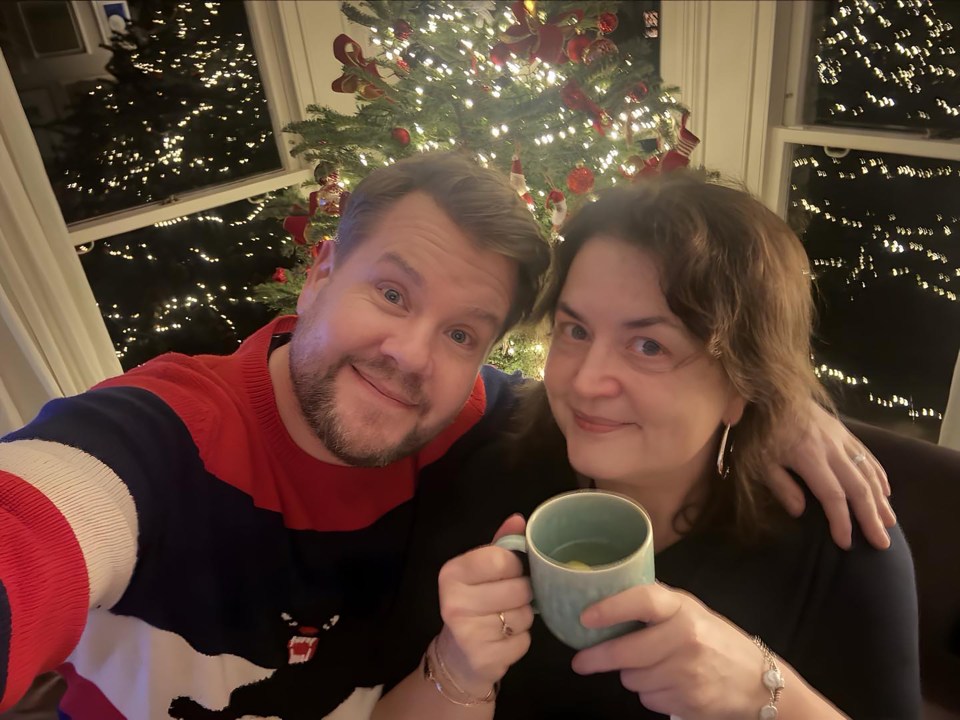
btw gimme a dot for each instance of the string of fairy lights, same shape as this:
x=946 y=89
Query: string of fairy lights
x=176 y=311
x=884 y=63
x=478 y=24
x=895 y=240
x=885 y=400
x=925 y=60
x=224 y=62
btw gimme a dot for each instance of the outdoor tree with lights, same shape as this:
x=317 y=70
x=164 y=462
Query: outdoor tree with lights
x=882 y=229
x=182 y=108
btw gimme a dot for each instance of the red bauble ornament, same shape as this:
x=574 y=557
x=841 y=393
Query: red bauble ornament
x=580 y=180
x=403 y=65
x=576 y=47
x=401 y=135
x=402 y=30
x=598 y=48
x=280 y=275
x=607 y=22
x=639 y=92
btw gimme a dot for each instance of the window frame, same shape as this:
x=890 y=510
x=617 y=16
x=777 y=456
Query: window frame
x=792 y=30
x=283 y=58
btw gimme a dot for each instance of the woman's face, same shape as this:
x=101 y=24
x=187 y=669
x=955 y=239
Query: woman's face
x=633 y=391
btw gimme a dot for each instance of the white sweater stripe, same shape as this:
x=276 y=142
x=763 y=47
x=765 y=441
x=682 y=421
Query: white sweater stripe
x=94 y=501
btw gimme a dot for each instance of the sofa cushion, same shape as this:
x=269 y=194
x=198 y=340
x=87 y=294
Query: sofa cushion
x=925 y=480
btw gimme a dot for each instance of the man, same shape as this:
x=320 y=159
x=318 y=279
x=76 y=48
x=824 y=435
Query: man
x=221 y=537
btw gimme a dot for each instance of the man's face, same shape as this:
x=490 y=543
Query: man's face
x=390 y=340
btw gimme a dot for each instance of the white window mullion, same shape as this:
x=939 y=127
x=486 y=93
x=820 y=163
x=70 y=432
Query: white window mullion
x=141 y=217
x=869 y=141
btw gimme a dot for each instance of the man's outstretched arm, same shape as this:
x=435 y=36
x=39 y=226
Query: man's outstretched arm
x=55 y=513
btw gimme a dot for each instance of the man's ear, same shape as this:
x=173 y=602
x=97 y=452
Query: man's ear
x=318 y=276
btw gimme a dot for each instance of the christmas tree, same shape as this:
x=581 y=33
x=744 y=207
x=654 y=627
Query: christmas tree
x=182 y=109
x=881 y=229
x=548 y=93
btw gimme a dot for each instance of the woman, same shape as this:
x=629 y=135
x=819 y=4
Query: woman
x=681 y=343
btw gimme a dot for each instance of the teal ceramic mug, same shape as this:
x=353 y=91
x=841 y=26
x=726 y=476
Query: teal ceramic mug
x=584 y=546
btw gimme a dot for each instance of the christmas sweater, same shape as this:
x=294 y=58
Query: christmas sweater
x=167 y=547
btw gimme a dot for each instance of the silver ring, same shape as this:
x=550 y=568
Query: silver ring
x=859 y=458
x=505 y=629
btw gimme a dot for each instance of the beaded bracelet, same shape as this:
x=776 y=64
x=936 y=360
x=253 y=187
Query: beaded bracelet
x=772 y=680
x=431 y=676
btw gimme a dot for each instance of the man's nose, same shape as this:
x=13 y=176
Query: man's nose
x=411 y=347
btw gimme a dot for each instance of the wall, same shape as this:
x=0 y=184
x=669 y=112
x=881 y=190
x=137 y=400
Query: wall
x=720 y=53
x=310 y=28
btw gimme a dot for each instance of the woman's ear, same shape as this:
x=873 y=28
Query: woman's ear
x=733 y=413
x=317 y=276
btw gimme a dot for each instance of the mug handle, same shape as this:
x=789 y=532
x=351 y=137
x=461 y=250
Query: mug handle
x=516 y=543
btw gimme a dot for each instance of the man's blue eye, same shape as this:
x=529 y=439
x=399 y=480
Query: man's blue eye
x=459 y=337
x=392 y=296
x=577 y=332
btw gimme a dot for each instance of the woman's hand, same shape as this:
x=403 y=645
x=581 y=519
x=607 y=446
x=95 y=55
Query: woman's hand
x=476 y=645
x=838 y=469
x=688 y=662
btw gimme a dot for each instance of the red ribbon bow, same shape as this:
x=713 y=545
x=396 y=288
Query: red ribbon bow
x=347 y=51
x=535 y=39
x=575 y=98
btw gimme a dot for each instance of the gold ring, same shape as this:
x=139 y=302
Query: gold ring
x=505 y=629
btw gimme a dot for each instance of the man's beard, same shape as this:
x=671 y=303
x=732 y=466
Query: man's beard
x=316 y=395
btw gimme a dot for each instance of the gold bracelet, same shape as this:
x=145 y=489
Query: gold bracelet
x=443 y=667
x=772 y=680
x=431 y=676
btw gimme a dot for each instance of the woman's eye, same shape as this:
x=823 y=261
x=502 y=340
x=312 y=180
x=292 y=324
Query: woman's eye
x=648 y=347
x=392 y=296
x=460 y=337
x=574 y=331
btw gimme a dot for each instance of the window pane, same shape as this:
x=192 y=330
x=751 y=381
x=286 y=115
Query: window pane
x=640 y=18
x=172 y=104
x=886 y=64
x=187 y=285
x=882 y=234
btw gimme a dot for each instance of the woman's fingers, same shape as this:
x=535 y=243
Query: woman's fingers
x=785 y=489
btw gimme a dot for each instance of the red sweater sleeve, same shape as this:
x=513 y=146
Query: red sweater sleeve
x=44 y=589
